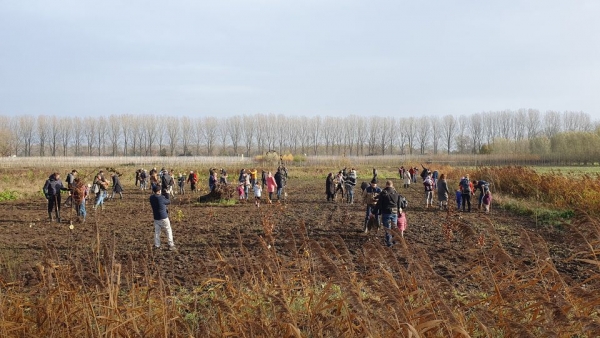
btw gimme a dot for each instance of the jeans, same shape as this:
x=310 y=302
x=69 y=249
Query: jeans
x=100 y=198
x=371 y=211
x=81 y=210
x=160 y=224
x=350 y=193
x=279 y=191
x=389 y=221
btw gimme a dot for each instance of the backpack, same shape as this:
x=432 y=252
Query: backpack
x=403 y=202
x=464 y=186
x=95 y=188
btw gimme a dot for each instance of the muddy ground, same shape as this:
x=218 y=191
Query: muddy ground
x=202 y=232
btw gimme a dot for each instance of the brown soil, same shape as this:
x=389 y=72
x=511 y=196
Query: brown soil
x=204 y=232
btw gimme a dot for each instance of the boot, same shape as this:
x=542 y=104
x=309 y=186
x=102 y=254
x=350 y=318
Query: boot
x=50 y=216
x=366 y=227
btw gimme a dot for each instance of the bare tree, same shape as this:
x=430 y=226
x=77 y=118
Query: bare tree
x=78 y=133
x=304 y=133
x=114 y=127
x=66 y=131
x=449 y=128
x=234 y=129
x=462 y=139
x=198 y=131
x=262 y=124
x=26 y=132
x=210 y=133
x=101 y=131
x=149 y=123
x=360 y=126
x=436 y=133
x=534 y=123
x=160 y=135
x=248 y=130
x=476 y=129
x=423 y=130
x=373 y=135
x=55 y=131
x=13 y=127
x=127 y=122
x=89 y=133
x=327 y=131
x=315 y=133
x=505 y=123
x=223 y=135
x=173 y=127
x=187 y=130
x=43 y=126
x=283 y=132
x=552 y=123
x=410 y=130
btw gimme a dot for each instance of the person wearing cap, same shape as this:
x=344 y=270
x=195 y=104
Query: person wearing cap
x=161 y=217
x=370 y=195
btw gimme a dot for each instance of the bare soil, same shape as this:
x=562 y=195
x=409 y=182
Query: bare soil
x=208 y=234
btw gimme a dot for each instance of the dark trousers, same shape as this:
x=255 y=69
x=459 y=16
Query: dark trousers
x=54 y=201
x=466 y=201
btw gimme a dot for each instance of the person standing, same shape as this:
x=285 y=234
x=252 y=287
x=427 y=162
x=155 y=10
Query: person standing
x=280 y=180
x=406 y=178
x=192 y=180
x=79 y=194
x=161 y=217
x=350 y=182
x=466 y=191
x=52 y=189
x=442 y=192
x=330 y=187
x=166 y=182
x=181 y=184
x=101 y=190
x=257 y=193
x=70 y=183
x=212 y=181
x=271 y=186
x=388 y=205
x=428 y=184
x=339 y=178
x=117 y=187
x=264 y=178
x=371 y=195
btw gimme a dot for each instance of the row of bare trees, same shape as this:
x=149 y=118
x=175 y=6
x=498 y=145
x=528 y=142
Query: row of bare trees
x=146 y=135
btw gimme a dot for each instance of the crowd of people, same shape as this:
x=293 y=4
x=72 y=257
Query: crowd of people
x=384 y=206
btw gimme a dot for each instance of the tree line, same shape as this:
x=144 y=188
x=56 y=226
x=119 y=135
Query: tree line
x=508 y=131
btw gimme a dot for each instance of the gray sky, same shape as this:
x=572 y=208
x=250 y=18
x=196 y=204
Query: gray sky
x=225 y=58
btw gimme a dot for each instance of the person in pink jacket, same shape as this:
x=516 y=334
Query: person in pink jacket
x=271 y=186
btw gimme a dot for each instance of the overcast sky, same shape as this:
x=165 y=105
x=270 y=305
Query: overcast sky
x=329 y=58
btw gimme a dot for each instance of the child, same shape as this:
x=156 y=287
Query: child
x=240 y=190
x=181 y=183
x=458 y=199
x=257 y=193
x=402 y=223
x=487 y=201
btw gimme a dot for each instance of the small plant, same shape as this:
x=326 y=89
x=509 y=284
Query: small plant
x=179 y=215
x=8 y=195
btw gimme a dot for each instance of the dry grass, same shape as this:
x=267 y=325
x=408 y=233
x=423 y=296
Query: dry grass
x=305 y=288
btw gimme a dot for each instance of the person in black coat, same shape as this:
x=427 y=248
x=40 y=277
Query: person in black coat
x=280 y=180
x=117 y=187
x=330 y=187
x=388 y=205
x=52 y=189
